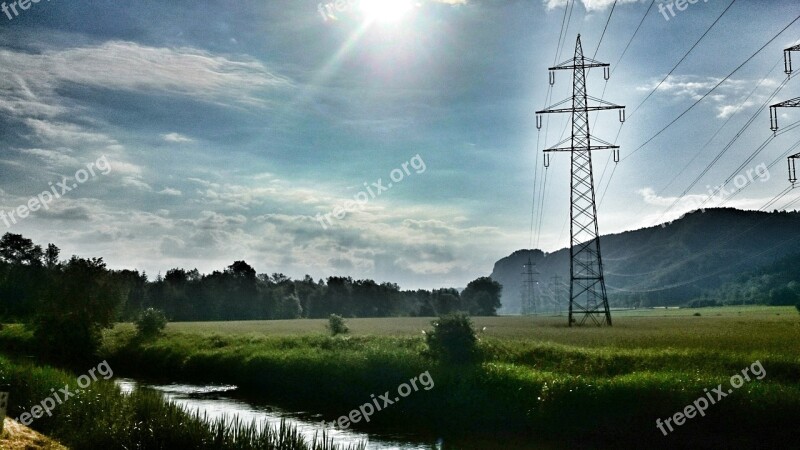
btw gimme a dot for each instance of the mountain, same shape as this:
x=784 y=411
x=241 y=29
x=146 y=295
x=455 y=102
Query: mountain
x=668 y=264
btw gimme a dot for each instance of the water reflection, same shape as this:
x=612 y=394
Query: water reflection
x=217 y=401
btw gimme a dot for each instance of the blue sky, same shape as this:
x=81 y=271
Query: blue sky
x=230 y=125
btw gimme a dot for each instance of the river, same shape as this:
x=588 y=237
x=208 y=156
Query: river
x=220 y=401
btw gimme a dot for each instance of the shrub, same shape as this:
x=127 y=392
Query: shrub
x=150 y=323
x=798 y=307
x=453 y=339
x=336 y=325
x=703 y=303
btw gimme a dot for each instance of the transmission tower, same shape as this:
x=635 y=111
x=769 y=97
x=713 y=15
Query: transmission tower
x=793 y=103
x=528 y=291
x=587 y=291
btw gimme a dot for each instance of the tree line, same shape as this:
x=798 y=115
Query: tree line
x=36 y=286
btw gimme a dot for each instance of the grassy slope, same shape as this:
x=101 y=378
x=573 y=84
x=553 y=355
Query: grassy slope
x=540 y=378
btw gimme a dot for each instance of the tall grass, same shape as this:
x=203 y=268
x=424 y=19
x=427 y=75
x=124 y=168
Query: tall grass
x=540 y=390
x=101 y=417
x=524 y=389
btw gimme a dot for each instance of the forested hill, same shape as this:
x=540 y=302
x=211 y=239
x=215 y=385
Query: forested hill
x=671 y=264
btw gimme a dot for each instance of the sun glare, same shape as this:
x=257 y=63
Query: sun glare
x=386 y=10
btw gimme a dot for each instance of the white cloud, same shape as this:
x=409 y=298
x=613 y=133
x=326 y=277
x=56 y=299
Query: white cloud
x=177 y=138
x=170 y=191
x=590 y=5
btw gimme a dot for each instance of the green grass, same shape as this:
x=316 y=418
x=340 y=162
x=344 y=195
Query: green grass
x=757 y=329
x=102 y=417
x=539 y=380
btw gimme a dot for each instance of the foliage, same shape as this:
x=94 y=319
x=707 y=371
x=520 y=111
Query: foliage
x=80 y=300
x=703 y=303
x=453 y=339
x=537 y=377
x=236 y=293
x=150 y=323
x=102 y=417
x=15 y=249
x=483 y=296
x=798 y=307
x=336 y=325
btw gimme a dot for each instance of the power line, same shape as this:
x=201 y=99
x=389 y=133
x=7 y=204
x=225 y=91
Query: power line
x=548 y=97
x=713 y=89
x=683 y=58
x=604 y=29
x=727 y=147
x=719 y=130
x=634 y=35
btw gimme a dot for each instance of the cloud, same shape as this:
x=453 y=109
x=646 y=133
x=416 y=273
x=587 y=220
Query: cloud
x=733 y=95
x=590 y=5
x=176 y=138
x=170 y=191
x=134 y=67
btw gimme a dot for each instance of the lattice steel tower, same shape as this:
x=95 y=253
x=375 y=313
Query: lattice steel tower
x=793 y=103
x=528 y=288
x=587 y=292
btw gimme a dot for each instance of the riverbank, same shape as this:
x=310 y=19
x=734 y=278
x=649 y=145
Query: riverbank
x=19 y=437
x=525 y=389
x=99 y=416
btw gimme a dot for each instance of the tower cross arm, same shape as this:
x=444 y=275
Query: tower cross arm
x=793 y=103
x=579 y=63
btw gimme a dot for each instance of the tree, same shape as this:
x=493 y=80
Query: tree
x=51 y=256
x=482 y=296
x=81 y=300
x=15 y=249
x=241 y=269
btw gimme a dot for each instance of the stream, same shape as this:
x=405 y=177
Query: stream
x=218 y=401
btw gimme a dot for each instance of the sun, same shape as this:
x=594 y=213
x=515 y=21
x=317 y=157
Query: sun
x=386 y=10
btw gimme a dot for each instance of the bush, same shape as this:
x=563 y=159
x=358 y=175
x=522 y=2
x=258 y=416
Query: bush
x=150 y=323
x=453 y=339
x=703 y=303
x=336 y=325
x=798 y=307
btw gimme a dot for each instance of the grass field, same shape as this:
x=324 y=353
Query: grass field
x=741 y=329
x=539 y=380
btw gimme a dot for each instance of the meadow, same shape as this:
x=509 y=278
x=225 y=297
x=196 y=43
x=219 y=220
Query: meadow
x=539 y=382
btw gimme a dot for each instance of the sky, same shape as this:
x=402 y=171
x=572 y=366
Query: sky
x=393 y=140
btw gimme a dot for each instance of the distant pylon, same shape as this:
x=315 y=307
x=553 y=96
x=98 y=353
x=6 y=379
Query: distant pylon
x=528 y=291
x=587 y=291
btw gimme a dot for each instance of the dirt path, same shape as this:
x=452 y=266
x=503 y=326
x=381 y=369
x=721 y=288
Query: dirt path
x=18 y=437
